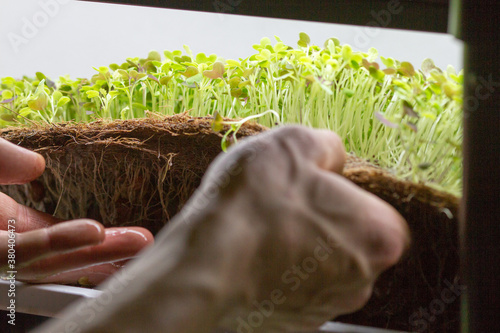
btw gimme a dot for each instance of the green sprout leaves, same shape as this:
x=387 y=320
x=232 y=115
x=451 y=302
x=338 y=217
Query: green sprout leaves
x=201 y=58
x=40 y=100
x=7 y=96
x=190 y=71
x=406 y=69
x=58 y=99
x=229 y=137
x=216 y=73
x=373 y=69
x=304 y=40
x=92 y=93
x=406 y=118
x=218 y=122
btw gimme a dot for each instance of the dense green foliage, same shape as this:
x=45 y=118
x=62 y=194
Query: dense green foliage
x=407 y=120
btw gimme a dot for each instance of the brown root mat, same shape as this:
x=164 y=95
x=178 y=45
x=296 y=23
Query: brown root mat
x=130 y=172
x=422 y=292
x=141 y=172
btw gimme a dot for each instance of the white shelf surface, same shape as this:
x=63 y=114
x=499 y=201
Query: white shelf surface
x=49 y=299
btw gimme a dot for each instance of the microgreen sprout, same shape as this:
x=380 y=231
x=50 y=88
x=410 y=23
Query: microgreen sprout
x=229 y=137
x=406 y=119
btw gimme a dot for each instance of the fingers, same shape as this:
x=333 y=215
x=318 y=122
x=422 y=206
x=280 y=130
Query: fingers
x=323 y=147
x=118 y=244
x=387 y=233
x=24 y=218
x=286 y=145
x=362 y=222
x=60 y=238
x=18 y=165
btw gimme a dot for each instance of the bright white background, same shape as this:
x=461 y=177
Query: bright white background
x=59 y=37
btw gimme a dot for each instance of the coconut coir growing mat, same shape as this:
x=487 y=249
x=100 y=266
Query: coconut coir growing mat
x=142 y=171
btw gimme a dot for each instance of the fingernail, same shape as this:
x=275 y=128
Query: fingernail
x=83 y=232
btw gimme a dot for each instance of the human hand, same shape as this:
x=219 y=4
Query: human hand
x=274 y=240
x=47 y=249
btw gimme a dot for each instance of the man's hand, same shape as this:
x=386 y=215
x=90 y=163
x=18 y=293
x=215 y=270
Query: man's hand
x=48 y=250
x=274 y=240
